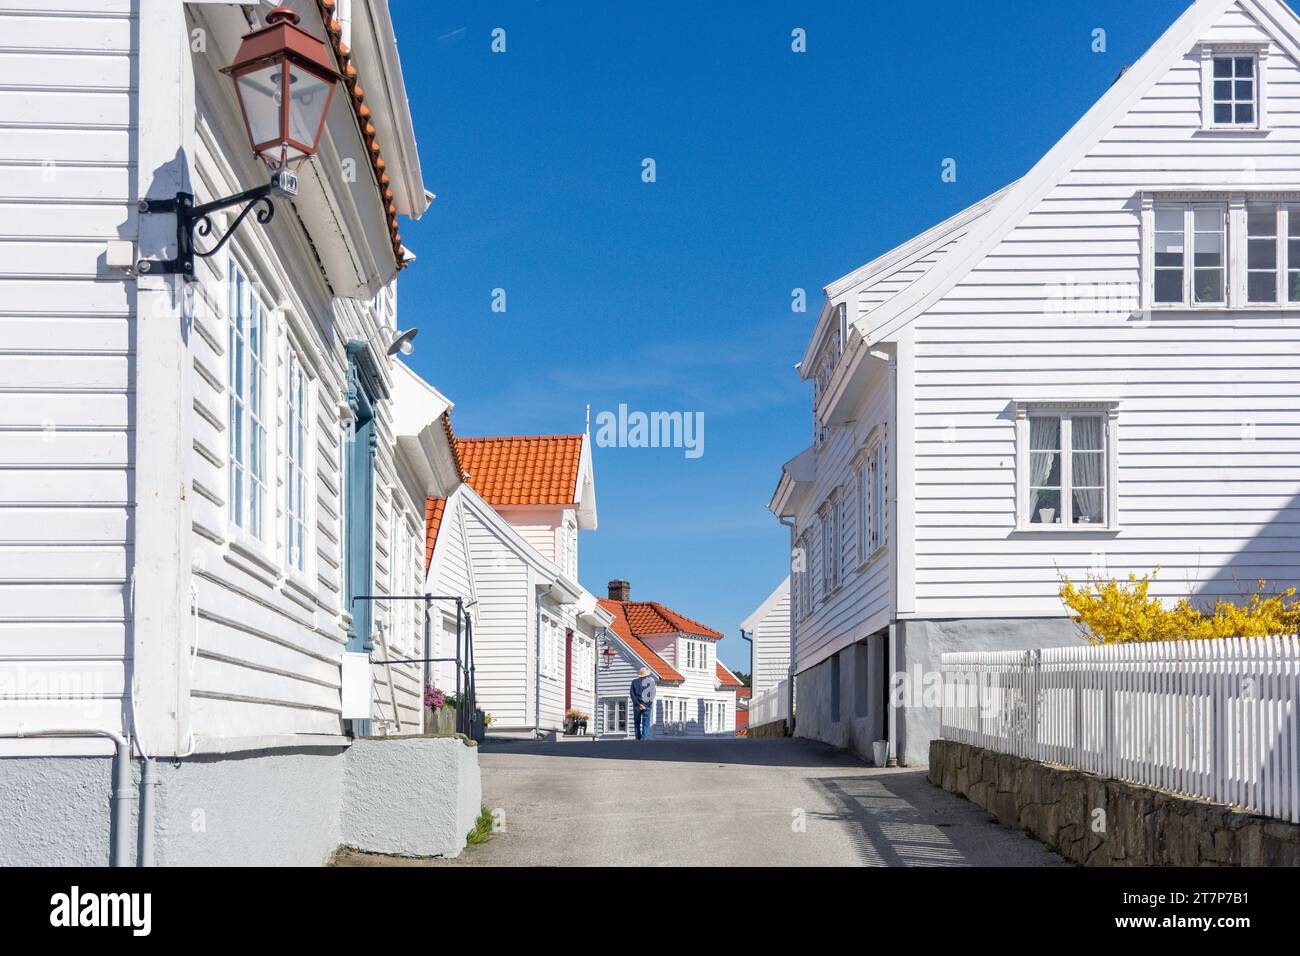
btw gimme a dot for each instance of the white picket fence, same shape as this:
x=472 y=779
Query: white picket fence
x=770 y=705
x=1214 y=719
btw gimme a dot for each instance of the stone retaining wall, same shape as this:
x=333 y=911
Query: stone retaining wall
x=1098 y=821
x=773 y=728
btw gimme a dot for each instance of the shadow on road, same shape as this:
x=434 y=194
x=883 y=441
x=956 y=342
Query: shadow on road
x=777 y=752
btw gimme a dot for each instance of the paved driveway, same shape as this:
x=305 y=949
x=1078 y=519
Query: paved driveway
x=727 y=802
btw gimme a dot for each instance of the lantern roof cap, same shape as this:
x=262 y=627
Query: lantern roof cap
x=283 y=36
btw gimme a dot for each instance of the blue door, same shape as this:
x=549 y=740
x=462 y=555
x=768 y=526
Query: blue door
x=364 y=392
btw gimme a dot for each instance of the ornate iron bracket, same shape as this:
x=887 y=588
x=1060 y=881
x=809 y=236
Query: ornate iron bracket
x=192 y=219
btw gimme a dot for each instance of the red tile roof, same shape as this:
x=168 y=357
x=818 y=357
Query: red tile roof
x=451 y=441
x=357 y=96
x=523 y=470
x=663 y=670
x=433 y=510
x=651 y=617
x=727 y=679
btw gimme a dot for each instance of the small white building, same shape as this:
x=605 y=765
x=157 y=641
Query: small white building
x=209 y=491
x=1093 y=370
x=695 y=694
x=506 y=542
x=768 y=629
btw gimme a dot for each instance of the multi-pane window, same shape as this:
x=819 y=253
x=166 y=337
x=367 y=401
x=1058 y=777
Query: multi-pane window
x=1190 y=253
x=297 y=417
x=245 y=392
x=1233 y=90
x=830 y=519
x=1273 y=253
x=872 y=480
x=1067 y=470
x=615 y=716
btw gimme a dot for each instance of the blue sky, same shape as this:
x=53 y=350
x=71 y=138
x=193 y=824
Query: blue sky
x=775 y=170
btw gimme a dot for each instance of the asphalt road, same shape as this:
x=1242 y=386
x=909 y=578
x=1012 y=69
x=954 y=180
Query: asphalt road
x=727 y=802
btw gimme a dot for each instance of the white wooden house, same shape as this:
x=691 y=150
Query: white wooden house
x=506 y=542
x=695 y=693
x=768 y=629
x=1092 y=370
x=201 y=477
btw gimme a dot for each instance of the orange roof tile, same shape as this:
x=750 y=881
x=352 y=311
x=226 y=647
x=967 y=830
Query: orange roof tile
x=523 y=470
x=433 y=510
x=726 y=679
x=663 y=670
x=651 y=617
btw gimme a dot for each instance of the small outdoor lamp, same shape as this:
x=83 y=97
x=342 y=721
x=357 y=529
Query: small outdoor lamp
x=403 y=342
x=284 y=82
x=607 y=657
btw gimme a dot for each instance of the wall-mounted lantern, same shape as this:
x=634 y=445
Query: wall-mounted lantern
x=284 y=130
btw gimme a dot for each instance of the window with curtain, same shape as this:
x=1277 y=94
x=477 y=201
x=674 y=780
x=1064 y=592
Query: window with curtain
x=830 y=515
x=1067 y=470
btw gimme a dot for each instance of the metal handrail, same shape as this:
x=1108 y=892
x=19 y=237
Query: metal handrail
x=465 y=667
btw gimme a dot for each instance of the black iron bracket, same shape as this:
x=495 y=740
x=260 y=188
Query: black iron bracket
x=194 y=220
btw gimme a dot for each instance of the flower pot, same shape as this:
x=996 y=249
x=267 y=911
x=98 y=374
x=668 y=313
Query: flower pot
x=1047 y=515
x=441 y=721
x=880 y=752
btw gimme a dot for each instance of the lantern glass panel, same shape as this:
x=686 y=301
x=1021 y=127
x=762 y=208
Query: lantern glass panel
x=309 y=94
x=259 y=90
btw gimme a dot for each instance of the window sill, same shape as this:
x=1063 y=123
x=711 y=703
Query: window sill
x=1166 y=308
x=1234 y=131
x=1067 y=529
x=872 y=557
x=250 y=549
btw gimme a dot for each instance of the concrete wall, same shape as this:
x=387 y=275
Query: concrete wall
x=54 y=811
x=861 y=689
x=918 y=655
x=415 y=796
x=1098 y=821
x=412 y=796
x=918 y=676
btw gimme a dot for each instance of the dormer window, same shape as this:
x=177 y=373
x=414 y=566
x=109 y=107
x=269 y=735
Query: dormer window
x=1232 y=86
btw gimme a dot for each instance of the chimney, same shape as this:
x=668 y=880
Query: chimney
x=620 y=590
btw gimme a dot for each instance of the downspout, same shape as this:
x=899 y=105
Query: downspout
x=789 y=681
x=891 y=437
x=537 y=665
x=120 y=813
x=746 y=637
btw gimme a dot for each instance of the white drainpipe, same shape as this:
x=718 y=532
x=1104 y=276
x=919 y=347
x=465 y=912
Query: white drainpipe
x=121 y=811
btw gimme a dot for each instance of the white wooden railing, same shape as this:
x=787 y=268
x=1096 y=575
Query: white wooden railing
x=1215 y=719
x=773 y=704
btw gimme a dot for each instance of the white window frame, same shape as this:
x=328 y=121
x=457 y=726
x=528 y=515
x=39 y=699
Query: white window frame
x=1258 y=52
x=1286 y=204
x=1189 y=206
x=611 y=709
x=243 y=300
x=830 y=544
x=805 y=593
x=1066 y=410
x=298 y=458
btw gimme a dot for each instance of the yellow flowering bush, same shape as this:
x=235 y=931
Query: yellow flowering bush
x=1110 y=611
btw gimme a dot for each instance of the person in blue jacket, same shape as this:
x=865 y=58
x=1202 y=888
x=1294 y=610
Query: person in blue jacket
x=643 y=704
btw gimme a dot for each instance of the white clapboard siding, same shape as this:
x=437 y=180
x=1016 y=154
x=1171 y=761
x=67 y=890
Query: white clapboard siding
x=1209 y=414
x=66 y=352
x=862 y=602
x=769 y=628
x=1214 y=719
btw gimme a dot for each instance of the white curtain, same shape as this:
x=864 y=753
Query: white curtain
x=1044 y=441
x=1089 y=465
